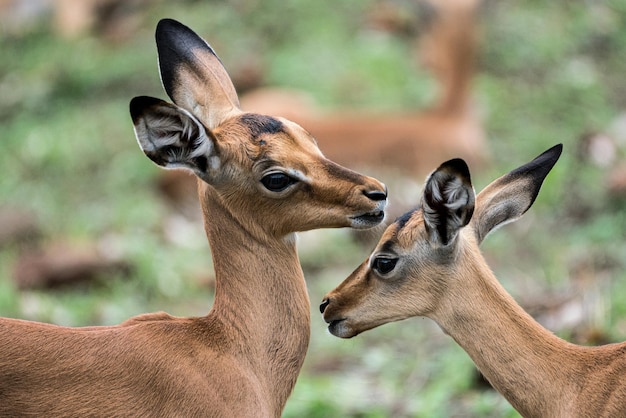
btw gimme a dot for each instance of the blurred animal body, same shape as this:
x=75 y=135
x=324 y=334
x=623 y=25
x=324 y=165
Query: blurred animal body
x=428 y=263
x=408 y=143
x=261 y=179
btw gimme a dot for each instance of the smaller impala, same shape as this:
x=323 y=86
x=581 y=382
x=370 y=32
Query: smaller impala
x=428 y=263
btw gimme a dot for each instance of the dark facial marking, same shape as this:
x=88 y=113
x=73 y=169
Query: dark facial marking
x=403 y=219
x=387 y=247
x=336 y=170
x=260 y=124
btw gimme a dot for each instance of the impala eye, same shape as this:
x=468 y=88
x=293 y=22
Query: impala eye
x=277 y=182
x=384 y=265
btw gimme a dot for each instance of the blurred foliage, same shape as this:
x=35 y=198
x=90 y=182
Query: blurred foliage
x=548 y=72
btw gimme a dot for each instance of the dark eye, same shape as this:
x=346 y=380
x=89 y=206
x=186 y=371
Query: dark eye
x=384 y=265
x=277 y=182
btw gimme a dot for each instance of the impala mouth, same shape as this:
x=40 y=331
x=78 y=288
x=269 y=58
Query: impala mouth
x=339 y=328
x=368 y=220
x=334 y=322
x=334 y=325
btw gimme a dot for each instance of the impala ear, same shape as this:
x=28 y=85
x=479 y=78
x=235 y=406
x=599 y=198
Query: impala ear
x=172 y=137
x=192 y=74
x=510 y=196
x=448 y=201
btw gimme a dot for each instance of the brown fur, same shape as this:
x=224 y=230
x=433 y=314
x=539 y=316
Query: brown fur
x=241 y=359
x=540 y=374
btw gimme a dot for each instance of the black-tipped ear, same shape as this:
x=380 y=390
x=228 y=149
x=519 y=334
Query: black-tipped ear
x=448 y=201
x=177 y=44
x=192 y=74
x=538 y=168
x=510 y=196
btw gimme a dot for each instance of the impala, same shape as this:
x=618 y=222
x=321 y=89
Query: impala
x=428 y=263
x=261 y=179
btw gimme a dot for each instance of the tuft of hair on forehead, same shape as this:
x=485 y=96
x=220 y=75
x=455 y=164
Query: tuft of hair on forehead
x=403 y=219
x=404 y=229
x=258 y=125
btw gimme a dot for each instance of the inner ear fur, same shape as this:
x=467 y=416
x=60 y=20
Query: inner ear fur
x=170 y=136
x=448 y=201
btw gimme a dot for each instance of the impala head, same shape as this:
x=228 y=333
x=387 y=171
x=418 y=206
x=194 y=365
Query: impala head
x=268 y=172
x=428 y=249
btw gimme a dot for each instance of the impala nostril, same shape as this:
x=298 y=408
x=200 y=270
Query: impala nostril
x=324 y=304
x=376 y=195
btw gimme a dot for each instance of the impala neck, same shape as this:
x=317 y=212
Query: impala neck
x=522 y=360
x=261 y=298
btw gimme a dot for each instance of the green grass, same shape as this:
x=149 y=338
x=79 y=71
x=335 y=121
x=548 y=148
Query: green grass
x=548 y=72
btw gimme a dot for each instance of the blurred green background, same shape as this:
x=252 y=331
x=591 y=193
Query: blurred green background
x=73 y=182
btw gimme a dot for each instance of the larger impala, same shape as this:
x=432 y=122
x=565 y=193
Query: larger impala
x=261 y=179
x=428 y=263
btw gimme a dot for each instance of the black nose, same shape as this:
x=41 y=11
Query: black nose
x=376 y=195
x=323 y=305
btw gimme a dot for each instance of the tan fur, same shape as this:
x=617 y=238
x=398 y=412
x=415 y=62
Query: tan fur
x=243 y=358
x=540 y=374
